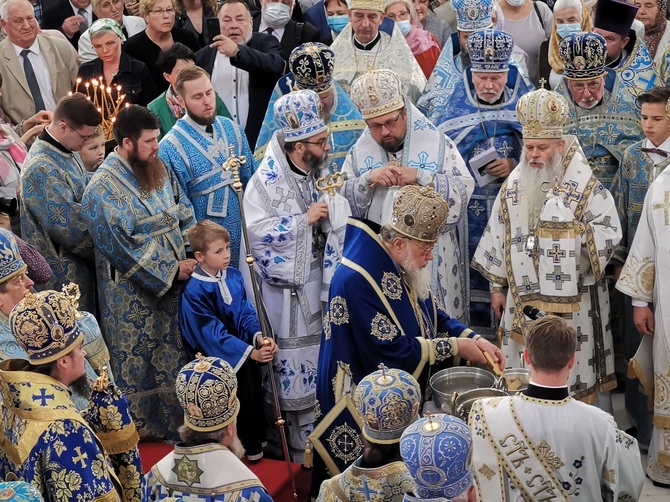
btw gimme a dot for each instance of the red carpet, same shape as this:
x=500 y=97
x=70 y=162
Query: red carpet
x=272 y=473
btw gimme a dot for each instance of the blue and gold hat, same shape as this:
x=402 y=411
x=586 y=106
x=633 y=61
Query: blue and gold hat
x=45 y=325
x=299 y=115
x=207 y=391
x=583 y=55
x=388 y=401
x=11 y=263
x=438 y=454
x=472 y=15
x=490 y=50
x=542 y=114
x=312 y=65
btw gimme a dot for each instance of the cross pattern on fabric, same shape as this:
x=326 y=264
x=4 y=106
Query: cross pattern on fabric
x=283 y=199
x=558 y=277
x=491 y=258
x=556 y=253
x=513 y=193
x=665 y=206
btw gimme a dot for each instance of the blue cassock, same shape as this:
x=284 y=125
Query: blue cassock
x=213 y=326
x=371 y=319
x=345 y=126
x=196 y=159
x=472 y=126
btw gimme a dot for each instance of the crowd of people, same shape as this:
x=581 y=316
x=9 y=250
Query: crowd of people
x=214 y=212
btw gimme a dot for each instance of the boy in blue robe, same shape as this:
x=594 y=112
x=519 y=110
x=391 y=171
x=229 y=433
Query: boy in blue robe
x=217 y=319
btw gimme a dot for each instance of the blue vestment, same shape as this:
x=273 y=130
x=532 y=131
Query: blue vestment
x=605 y=131
x=139 y=237
x=345 y=126
x=472 y=126
x=373 y=317
x=196 y=159
x=212 y=326
x=52 y=186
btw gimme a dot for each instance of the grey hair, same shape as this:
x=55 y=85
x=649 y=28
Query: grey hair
x=4 y=7
x=388 y=235
x=578 y=5
x=408 y=3
x=191 y=437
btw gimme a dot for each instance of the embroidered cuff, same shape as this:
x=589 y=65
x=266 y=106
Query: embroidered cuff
x=468 y=333
x=421 y=177
x=496 y=288
x=444 y=348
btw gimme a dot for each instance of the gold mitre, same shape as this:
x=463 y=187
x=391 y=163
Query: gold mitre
x=376 y=5
x=419 y=213
x=542 y=114
x=377 y=93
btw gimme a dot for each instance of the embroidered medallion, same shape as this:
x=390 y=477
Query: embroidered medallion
x=339 y=314
x=392 y=286
x=545 y=454
x=487 y=471
x=345 y=443
x=382 y=328
x=187 y=470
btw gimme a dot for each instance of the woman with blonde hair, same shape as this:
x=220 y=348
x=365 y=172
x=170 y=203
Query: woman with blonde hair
x=424 y=46
x=570 y=16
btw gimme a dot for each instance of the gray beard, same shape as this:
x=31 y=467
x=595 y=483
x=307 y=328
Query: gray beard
x=532 y=188
x=418 y=280
x=236 y=447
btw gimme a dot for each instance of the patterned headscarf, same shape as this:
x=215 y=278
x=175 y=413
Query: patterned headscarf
x=652 y=35
x=105 y=25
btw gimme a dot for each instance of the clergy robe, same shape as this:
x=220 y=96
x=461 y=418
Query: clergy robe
x=643 y=278
x=345 y=123
x=217 y=319
x=139 y=237
x=438 y=161
x=387 y=483
x=52 y=186
x=528 y=447
x=608 y=129
x=501 y=257
x=390 y=53
x=205 y=472
x=288 y=260
x=197 y=158
x=474 y=127
x=636 y=66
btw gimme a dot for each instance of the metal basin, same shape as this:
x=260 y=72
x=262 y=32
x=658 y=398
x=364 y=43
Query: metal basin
x=457 y=380
x=465 y=400
x=517 y=377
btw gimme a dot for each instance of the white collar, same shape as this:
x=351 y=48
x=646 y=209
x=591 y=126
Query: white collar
x=35 y=48
x=548 y=386
x=665 y=146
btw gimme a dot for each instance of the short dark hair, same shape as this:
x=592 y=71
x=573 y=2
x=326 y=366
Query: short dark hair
x=550 y=342
x=168 y=58
x=228 y=2
x=654 y=95
x=132 y=121
x=78 y=111
x=188 y=75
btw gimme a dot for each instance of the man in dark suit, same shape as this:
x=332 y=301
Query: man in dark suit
x=72 y=17
x=244 y=67
x=275 y=19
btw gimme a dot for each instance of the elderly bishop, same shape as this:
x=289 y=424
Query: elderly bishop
x=552 y=230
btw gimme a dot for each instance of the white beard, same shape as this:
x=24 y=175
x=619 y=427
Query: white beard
x=531 y=180
x=418 y=280
x=236 y=447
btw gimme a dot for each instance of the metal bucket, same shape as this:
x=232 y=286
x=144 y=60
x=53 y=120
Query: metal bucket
x=457 y=380
x=464 y=401
x=518 y=377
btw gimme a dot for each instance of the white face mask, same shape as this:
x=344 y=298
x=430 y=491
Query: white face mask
x=277 y=14
x=515 y=3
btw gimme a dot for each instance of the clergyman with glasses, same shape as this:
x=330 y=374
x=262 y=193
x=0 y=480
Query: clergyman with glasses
x=53 y=180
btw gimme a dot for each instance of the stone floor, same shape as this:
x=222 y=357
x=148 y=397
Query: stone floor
x=650 y=492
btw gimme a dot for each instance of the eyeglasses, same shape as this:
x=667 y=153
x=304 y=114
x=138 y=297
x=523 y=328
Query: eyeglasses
x=581 y=86
x=388 y=124
x=162 y=12
x=425 y=249
x=320 y=143
x=85 y=138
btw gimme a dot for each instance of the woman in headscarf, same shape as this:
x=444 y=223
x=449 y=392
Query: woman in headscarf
x=116 y=67
x=570 y=16
x=422 y=43
x=656 y=27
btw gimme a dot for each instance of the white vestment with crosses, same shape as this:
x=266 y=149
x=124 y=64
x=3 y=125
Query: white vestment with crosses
x=504 y=258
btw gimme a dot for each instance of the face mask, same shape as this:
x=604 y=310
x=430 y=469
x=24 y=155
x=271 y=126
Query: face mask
x=337 y=23
x=516 y=3
x=277 y=14
x=563 y=30
x=404 y=26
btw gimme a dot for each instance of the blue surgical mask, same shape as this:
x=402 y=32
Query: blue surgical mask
x=564 y=30
x=404 y=26
x=516 y=3
x=277 y=14
x=337 y=23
